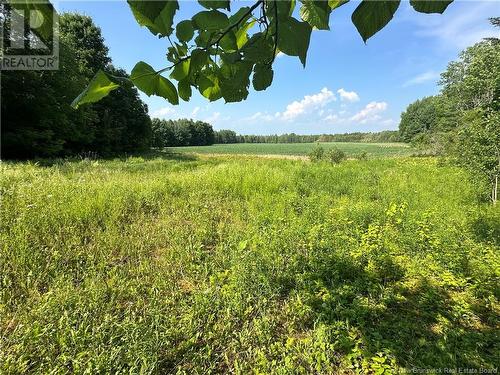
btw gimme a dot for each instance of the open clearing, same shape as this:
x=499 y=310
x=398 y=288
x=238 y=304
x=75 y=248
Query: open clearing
x=241 y=265
x=352 y=149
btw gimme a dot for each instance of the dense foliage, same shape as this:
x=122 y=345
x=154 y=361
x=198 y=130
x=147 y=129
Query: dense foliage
x=477 y=147
x=245 y=266
x=226 y=136
x=464 y=120
x=37 y=118
x=420 y=117
x=183 y=132
x=221 y=49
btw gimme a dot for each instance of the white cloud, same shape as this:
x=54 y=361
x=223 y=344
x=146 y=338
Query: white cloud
x=307 y=104
x=163 y=112
x=213 y=117
x=195 y=112
x=422 y=78
x=350 y=96
x=332 y=119
x=370 y=112
x=459 y=27
x=259 y=116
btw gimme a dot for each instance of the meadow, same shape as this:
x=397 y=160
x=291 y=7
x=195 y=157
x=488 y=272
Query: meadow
x=189 y=265
x=352 y=149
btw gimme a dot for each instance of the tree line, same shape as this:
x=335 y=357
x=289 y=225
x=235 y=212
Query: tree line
x=229 y=136
x=462 y=122
x=37 y=117
x=188 y=132
x=183 y=132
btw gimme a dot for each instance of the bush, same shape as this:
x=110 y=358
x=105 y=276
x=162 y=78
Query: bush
x=317 y=153
x=335 y=155
x=362 y=156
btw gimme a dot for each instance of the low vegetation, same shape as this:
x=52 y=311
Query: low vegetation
x=246 y=265
x=333 y=155
x=301 y=149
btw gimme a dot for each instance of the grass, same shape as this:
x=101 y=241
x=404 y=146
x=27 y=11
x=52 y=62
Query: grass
x=352 y=149
x=245 y=265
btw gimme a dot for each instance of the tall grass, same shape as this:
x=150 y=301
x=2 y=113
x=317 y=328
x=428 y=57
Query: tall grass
x=245 y=265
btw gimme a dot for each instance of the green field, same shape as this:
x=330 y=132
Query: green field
x=350 y=148
x=195 y=265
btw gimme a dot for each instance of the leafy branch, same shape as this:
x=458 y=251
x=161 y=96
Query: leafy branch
x=243 y=55
x=212 y=44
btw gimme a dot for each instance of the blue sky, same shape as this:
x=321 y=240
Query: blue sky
x=346 y=86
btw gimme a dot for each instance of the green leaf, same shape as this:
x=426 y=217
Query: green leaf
x=157 y=16
x=262 y=76
x=316 y=13
x=228 y=42
x=184 y=30
x=176 y=51
x=293 y=38
x=212 y=20
x=204 y=38
x=235 y=80
x=372 y=15
x=430 y=6
x=182 y=49
x=184 y=88
x=258 y=49
x=146 y=79
x=334 y=4
x=209 y=87
x=199 y=58
x=285 y=9
x=241 y=34
x=243 y=245
x=181 y=70
x=100 y=86
x=231 y=57
x=238 y=16
x=215 y=4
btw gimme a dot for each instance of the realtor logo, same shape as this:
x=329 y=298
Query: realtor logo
x=29 y=35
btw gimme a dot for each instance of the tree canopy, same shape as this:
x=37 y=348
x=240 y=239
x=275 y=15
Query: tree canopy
x=463 y=121
x=183 y=132
x=420 y=117
x=37 y=119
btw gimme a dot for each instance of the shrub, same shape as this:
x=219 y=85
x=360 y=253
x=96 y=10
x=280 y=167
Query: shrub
x=317 y=153
x=362 y=156
x=335 y=155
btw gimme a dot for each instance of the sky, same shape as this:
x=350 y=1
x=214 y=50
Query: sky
x=346 y=85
